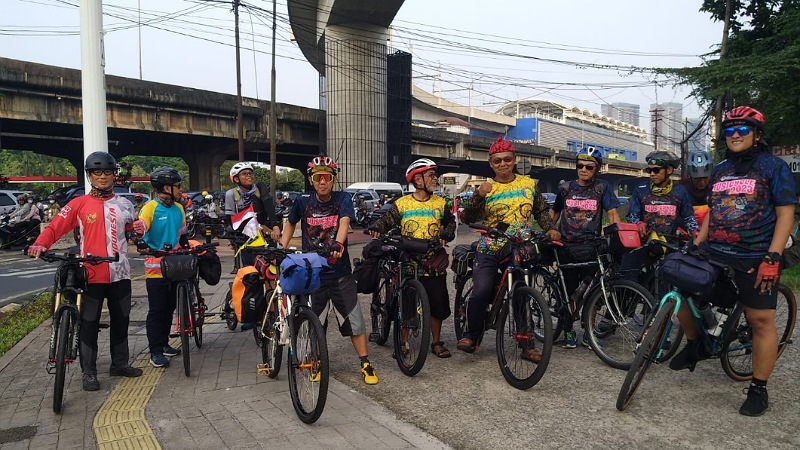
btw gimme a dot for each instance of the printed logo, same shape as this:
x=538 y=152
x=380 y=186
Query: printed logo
x=745 y=186
x=91 y=218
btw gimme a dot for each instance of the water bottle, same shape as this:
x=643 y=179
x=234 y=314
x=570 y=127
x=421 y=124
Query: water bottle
x=721 y=316
x=578 y=294
x=709 y=319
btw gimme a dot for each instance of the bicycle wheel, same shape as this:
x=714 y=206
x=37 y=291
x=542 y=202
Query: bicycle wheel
x=516 y=338
x=62 y=355
x=543 y=281
x=463 y=291
x=271 y=351
x=230 y=314
x=184 y=304
x=379 y=311
x=412 y=328
x=648 y=281
x=308 y=367
x=737 y=355
x=652 y=342
x=616 y=321
x=198 y=317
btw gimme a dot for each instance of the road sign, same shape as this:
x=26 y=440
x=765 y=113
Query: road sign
x=448 y=180
x=790 y=154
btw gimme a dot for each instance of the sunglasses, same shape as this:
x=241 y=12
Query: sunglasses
x=98 y=172
x=589 y=167
x=655 y=170
x=320 y=177
x=507 y=159
x=743 y=130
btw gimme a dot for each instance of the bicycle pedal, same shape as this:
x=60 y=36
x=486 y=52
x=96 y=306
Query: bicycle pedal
x=262 y=369
x=373 y=337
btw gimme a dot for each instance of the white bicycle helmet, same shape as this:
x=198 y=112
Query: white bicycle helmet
x=238 y=167
x=419 y=166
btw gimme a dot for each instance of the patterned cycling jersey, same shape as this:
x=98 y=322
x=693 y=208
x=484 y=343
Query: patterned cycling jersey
x=510 y=203
x=102 y=223
x=320 y=225
x=419 y=219
x=742 y=207
x=581 y=208
x=662 y=213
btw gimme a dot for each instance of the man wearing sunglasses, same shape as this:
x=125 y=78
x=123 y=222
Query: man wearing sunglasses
x=751 y=214
x=325 y=218
x=579 y=210
x=511 y=199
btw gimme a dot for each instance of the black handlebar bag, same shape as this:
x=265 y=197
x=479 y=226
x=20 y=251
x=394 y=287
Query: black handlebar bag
x=688 y=274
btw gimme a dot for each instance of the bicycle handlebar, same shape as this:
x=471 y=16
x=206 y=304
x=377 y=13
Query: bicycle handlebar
x=168 y=250
x=539 y=237
x=696 y=253
x=74 y=258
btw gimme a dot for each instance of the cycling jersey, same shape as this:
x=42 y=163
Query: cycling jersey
x=164 y=227
x=418 y=219
x=581 y=208
x=662 y=213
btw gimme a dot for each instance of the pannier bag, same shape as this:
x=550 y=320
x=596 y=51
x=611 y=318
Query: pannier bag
x=577 y=252
x=623 y=237
x=209 y=267
x=179 y=267
x=463 y=257
x=688 y=274
x=414 y=246
x=247 y=295
x=300 y=273
x=435 y=264
x=365 y=273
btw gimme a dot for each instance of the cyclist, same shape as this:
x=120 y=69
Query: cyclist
x=699 y=169
x=162 y=222
x=659 y=206
x=52 y=209
x=751 y=213
x=423 y=215
x=105 y=223
x=579 y=210
x=508 y=198
x=248 y=193
x=325 y=218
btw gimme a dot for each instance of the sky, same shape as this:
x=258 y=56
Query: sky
x=577 y=52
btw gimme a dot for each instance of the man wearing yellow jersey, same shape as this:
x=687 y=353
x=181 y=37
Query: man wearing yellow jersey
x=512 y=199
x=423 y=215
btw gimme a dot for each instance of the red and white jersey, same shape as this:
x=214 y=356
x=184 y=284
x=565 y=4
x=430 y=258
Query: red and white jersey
x=102 y=225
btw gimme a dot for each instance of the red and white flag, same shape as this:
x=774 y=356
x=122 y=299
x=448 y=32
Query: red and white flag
x=245 y=222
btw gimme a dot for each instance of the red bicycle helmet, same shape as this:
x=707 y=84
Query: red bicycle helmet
x=744 y=115
x=321 y=163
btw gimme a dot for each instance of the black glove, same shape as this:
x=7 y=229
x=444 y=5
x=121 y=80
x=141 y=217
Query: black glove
x=184 y=241
x=141 y=245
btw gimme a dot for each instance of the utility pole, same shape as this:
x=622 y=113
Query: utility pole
x=655 y=119
x=723 y=46
x=139 y=4
x=273 y=121
x=93 y=83
x=239 y=124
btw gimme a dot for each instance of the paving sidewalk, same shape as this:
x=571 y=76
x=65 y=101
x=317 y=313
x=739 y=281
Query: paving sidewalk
x=223 y=405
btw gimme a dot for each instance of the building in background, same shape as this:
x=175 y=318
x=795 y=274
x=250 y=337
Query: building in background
x=699 y=141
x=624 y=112
x=666 y=126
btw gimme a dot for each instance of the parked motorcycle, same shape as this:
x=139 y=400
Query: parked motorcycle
x=10 y=236
x=199 y=223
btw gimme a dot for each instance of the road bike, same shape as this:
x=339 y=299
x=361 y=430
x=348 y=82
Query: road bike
x=179 y=266
x=730 y=339
x=289 y=322
x=68 y=288
x=401 y=298
x=517 y=310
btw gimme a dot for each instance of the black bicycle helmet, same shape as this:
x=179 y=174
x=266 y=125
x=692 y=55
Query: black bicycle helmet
x=164 y=176
x=100 y=160
x=663 y=158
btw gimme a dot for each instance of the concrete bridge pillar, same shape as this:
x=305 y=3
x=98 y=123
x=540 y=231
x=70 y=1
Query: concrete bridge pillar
x=204 y=170
x=355 y=95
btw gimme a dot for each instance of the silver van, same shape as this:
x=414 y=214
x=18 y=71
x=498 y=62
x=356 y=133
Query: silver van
x=393 y=190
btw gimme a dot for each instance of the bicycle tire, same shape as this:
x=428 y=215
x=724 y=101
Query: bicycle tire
x=412 y=334
x=182 y=295
x=62 y=354
x=542 y=280
x=676 y=332
x=271 y=350
x=653 y=340
x=230 y=314
x=736 y=357
x=310 y=350
x=463 y=291
x=515 y=335
x=379 y=311
x=198 y=318
x=613 y=327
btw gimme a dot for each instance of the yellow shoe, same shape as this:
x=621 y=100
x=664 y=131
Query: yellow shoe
x=368 y=372
x=315 y=376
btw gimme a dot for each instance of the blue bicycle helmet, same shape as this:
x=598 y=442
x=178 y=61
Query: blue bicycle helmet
x=699 y=165
x=590 y=153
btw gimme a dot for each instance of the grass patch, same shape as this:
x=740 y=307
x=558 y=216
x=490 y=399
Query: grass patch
x=18 y=324
x=791 y=278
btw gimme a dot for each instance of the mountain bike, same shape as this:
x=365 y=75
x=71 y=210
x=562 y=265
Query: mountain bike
x=517 y=310
x=401 y=298
x=290 y=322
x=179 y=266
x=68 y=288
x=239 y=242
x=730 y=339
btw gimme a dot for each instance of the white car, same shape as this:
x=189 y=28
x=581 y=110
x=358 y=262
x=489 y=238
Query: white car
x=8 y=200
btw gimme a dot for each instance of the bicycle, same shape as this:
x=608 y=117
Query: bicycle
x=401 y=298
x=517 y=310
x=68 y=288
x=289 y=321
x=730 y=339
x=611 y=310
x=180 y=267
x=239 y=243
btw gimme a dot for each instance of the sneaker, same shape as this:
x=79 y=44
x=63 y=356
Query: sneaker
x=585 y=340
x=90 y=382
x=569 y=340
x=756 y=403
x=127 y=371
x=368 y=372
x=316 y=375
x=247 y=326
x=688 y=357
x=158 y=360
x=171 y=351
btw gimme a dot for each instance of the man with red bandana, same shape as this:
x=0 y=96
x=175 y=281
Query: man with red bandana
x=751 y=214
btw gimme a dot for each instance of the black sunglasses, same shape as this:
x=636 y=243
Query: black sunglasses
x=589 y=167
x=654 y=169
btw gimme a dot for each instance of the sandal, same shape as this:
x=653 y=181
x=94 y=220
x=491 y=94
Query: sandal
x=531 y=355
x=438 y=349
x=403 y=349
x=466 y=345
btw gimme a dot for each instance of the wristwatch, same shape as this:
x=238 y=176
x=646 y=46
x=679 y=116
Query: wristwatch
x=772 y=258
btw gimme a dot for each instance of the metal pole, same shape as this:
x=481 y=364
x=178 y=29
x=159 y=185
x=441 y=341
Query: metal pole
x=93 y=88
x=273 y=122
x=239 y=124
x=139 y=3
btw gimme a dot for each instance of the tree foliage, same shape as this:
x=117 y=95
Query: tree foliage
x=760 y=67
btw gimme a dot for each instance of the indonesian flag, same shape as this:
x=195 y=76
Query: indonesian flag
x=245 y=222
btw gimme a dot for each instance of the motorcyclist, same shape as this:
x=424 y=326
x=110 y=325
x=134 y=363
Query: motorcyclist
x=52 y=209
x=138 y=202
x=211 y=207
x=26 y=217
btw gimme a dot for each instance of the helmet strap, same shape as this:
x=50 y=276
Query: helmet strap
x=98 y=192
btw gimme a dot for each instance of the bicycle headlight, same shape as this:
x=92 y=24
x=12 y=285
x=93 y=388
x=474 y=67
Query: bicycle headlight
x=525 y=234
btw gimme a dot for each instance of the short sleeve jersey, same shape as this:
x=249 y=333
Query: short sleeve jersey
x=319 y=222
x=581 y=208
x=421 y=220
x=165 y=224
x=662 y=213
x=510 y=203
